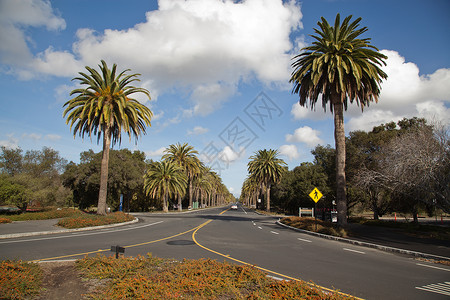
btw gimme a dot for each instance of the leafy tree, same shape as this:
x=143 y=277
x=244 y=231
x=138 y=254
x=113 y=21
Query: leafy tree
x=125 y=177
x=34 y=177
x=293 y=190
x=163 y=180
x=340 y=67
x=266 y=168
x=186 y=158
x=13 y=193
x=104 y=107
x=11 y=161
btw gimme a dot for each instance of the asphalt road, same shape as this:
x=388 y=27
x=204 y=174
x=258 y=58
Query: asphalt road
x=245 y=237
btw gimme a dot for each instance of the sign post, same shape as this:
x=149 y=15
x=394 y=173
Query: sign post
x=118 y=250
x=315 y=195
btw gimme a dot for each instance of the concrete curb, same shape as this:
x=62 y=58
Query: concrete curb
x=16 y=235
x=369 y=245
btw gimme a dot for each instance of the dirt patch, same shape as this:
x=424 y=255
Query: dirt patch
x=61 y=280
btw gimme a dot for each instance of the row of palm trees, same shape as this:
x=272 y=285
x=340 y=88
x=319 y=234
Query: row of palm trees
x=265 y=168
x=180 y=172
x=339 y=67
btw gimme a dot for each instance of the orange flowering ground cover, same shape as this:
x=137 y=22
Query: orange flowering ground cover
x=19 y=279
x=5 y=220
x=89 y=220
x=154 y=278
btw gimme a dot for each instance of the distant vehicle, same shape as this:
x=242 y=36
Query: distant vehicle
x=234 y=206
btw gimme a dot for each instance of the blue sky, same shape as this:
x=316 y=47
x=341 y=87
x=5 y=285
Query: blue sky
x=217 y=71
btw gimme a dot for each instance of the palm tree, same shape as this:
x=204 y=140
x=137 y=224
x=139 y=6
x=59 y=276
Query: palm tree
x=186 y=157
x=266 y=168
x=103 y=107
x=164 y=180
x=250 y=191
x=340 y=67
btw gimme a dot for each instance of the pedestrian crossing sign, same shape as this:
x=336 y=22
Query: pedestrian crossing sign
x=315 y=195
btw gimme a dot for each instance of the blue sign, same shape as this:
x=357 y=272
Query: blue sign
x=121 y=202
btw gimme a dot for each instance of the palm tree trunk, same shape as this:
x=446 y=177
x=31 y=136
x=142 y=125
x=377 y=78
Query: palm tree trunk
x=165 y=197
x=268 y=198
x=190 y=193
x=180 y=208
x=101 y=206
x=339 y=137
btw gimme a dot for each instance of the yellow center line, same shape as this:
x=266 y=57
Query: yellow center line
x=258 y=267
x=129 y=246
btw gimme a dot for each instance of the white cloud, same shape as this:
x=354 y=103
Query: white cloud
x=52 y=137
x=228 y=155
x=302 y=113
x=10 y=143
x=305 y=135
x=405 y=94
x=201 y=47
x=198 y=130
x=15 y=17
x=290 y=151
x=157 y=153
x=32 y=136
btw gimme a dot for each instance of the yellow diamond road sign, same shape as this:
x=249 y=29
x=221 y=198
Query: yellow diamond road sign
x=315 y=195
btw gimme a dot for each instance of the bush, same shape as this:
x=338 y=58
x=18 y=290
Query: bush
x=89 y=220
x=19 y=279
x=310 y=225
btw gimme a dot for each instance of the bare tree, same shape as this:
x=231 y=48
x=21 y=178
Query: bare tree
x=415 y=167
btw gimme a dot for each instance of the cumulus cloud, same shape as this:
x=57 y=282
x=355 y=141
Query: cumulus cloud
x=290 y=151
x=302 y=113
x=156 y=153
x=15 y=18
x=203 y=47
x=228 y=155
x=52 y=137
x=32 y=136
x=11 y=142
x=405 y=93
x=305 y=135
x=198 y=130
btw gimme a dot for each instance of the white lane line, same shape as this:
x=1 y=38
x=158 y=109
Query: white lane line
x=356 y=251
x=244 y=210
x=80 y=234
x=259 y=227
x=253 y=223
x=303 y=240
x=439 y=288
x=433 y=267
x=274 y=232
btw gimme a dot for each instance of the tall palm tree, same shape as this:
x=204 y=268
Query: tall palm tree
x=340 y=67
x=104 y=107
x=164 y=180
x=186 y=157
x=250 y=191
x=266 y=168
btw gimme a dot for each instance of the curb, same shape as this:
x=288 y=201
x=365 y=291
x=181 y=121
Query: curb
x=369 y=245
x=16 y=235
